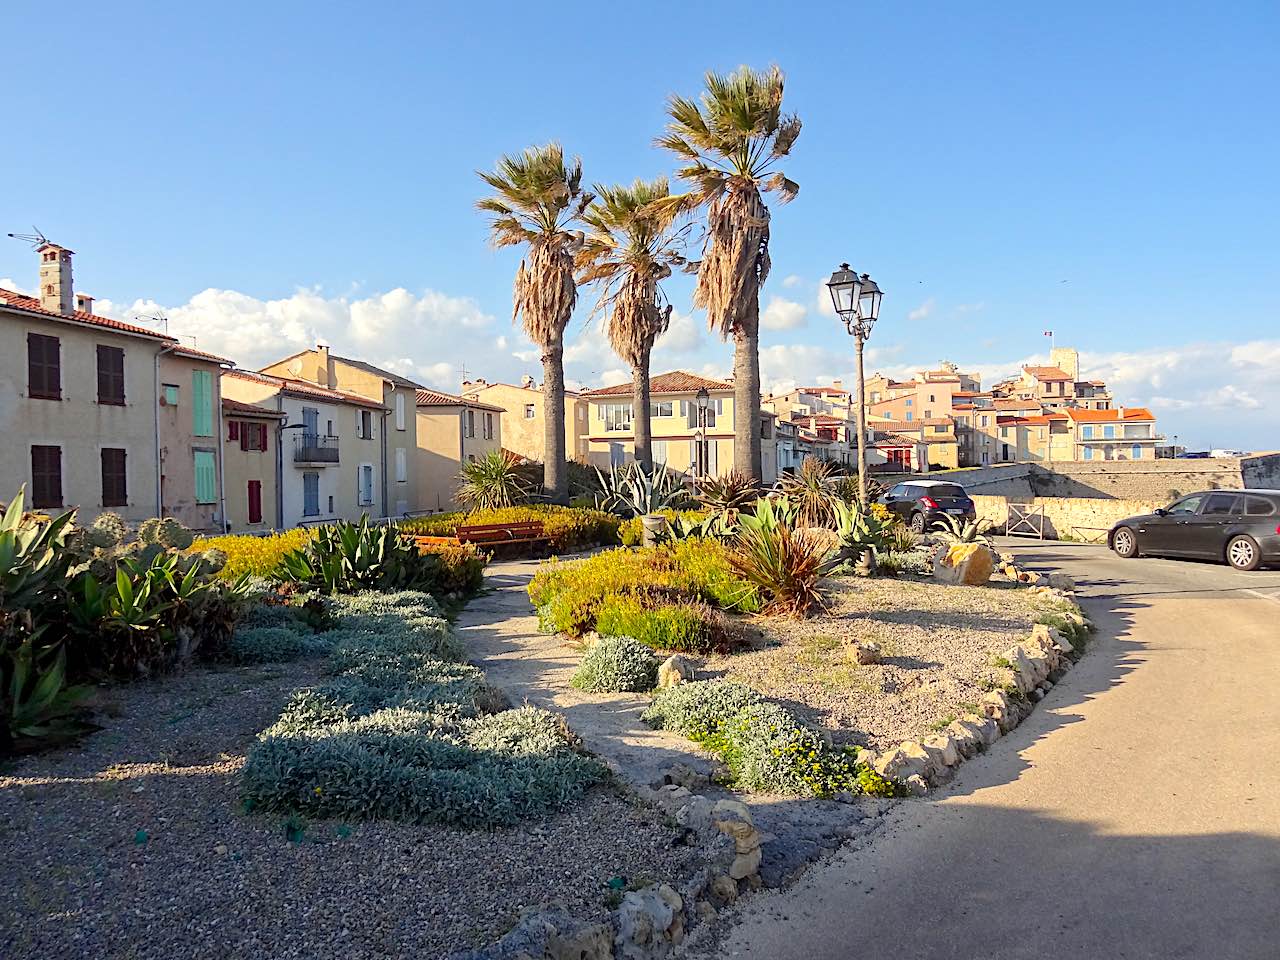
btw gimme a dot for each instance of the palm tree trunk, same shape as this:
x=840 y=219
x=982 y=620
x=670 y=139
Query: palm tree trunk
x=640 y=414
x=554 y=472
x=746 y=393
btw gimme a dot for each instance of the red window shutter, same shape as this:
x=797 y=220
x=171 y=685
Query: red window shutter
x=255 y=501
x=244 y=435
x=262 y=437
x=233 y=429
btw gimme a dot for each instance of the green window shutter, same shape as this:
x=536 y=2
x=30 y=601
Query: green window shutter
x=202 y=403
x=206 y=477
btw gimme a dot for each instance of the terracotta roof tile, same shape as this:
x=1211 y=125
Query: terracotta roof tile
x=1102 y=416
x=309 y=391
x=678 y=381
x=1048 y=373
x=250 y=409
x=32 y=305
x=437 y=398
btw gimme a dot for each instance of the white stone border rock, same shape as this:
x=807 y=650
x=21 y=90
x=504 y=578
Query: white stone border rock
x=1035 y=665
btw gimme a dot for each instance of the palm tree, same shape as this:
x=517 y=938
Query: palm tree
x=538 y=198
x=729 y=144
x=629 y=251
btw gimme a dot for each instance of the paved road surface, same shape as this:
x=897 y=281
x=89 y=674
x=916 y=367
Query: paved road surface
x=1135 y=814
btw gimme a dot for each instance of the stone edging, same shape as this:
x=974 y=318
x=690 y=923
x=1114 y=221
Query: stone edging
x=1035 y=665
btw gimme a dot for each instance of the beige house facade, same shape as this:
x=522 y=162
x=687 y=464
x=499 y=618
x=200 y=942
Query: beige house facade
x=452 y=430
x=103 y=415
x=251 y=445
x=522 y=417
x=686 y=440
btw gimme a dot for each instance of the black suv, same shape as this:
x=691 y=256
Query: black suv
x=1239 y=526
x=923 y=503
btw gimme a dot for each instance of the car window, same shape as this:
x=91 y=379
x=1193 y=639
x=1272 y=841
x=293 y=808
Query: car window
x=898 y=491
x=1258 y=507
x=947 y=490
x=1221 y=504
x=1186 y=505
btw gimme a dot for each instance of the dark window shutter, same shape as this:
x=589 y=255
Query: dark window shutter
x=44 y=367
x=233 y=429
x=115 y=492
x=255 y=501
x=244 y=435
x=46 y=476
x=262 y=437
x=110 y=375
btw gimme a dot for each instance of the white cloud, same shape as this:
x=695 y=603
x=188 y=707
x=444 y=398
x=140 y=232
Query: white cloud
x=15 y=286
x=923 y=311
x=414 y=334
x=780 y=314
x=792 y=280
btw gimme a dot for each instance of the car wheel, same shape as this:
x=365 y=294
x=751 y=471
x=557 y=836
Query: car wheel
x=1243 y=553
x=1124 y=543
x=917 y=522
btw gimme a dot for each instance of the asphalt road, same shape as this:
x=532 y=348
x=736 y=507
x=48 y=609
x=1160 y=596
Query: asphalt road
x=1134 y=814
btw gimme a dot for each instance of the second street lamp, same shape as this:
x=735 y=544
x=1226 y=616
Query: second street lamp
x=857 y=302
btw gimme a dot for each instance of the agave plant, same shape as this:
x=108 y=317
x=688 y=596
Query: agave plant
x=959 y=530
x=718 y=526
x=349 y=557
x=860 y=531
x=629 y=491
x=495 y=480
x=783 y=563
x=727 y=493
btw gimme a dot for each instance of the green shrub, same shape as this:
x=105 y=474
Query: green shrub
x=418 y=767
x=569 y=529
x=765 y=746
x=687 y=627
x=912 y=562
x=784 y=563
x=258 y=556
x=265 y=645
x=349 y=557
x=631 y=532
x=616 y=665
x=403 y=622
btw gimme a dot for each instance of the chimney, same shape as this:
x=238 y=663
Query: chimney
x=84 y=303
x=322 y=364
x=527 y=382
x=55 y=278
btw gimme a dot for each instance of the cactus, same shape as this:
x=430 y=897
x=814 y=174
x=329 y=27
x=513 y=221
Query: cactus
x=107 y=531
x=174 y=535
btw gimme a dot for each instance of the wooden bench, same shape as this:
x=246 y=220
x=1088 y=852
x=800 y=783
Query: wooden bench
x=491 y=535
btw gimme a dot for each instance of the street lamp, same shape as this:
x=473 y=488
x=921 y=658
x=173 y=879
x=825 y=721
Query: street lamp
x=857 y=302
x=703 y=399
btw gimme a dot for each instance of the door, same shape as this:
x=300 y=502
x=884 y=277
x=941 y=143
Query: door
x=1205 y=534
x=310 y=425
x=1160 y=533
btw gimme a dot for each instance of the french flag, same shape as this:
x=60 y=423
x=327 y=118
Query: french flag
x=1048 y=333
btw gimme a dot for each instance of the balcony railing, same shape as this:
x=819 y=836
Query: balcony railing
x=313 y=449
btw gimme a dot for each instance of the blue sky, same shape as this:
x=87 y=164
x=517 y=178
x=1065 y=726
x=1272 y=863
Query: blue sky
x=269 y=174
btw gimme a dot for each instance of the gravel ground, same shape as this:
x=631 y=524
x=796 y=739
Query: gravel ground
x=938 y=644
x=135 y=844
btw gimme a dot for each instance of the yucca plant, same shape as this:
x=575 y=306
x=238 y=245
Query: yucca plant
x=786 y=566
x=495 y=480
x=629 y=491
x=810 y=489
x=727 y=493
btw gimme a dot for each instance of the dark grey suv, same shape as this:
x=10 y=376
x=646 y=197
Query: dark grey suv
x=1241 y=527
x=923 y=503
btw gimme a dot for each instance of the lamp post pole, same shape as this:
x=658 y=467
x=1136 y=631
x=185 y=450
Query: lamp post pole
x=857 y=302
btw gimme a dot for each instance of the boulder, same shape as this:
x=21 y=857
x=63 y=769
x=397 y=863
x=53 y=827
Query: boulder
x=683 y=775
x=589 y=941
x=724 y=890
x=733 y=819
x=675 y=669
x=942 y=749
x=970 y=564
x=745 y=865
x=649 y=923
x=1060 y=581
x=986 y=729
x=966 y=736
x=903 y=761
x=997 y=706
x=916 y=785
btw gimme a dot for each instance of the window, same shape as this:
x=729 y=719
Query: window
x=582 y=412
x=530 y=411
x=471 y=423
x=364 y=424
x=330 y=503
x=1221 y=505
x=1088 y=453
x=985 y=421
x=910 y=415
x=931 y=398
x=253 y=436
x=660 y=408
x=46 y=476
x=170 y=394
x=202 y=403
x=1258 y=507
x=328 y=428
x=402 y=465
x=1086 y=433
x=616 y=416
x=254 y=496
x=1108 y=431
x=658 y=450
x=1135 y=452
x=111 y=375
x=488 y=426
x=928 y=414
x=114 y=485
x=311 y=495
x=366 y=484
x=206 y=469
x=44 y=367
x=1186 y=506
x=399 y=411
x=1004 y=433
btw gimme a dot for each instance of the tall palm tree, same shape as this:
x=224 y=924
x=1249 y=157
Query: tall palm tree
x=729 y=144
x=538 y=198
x=630 y=249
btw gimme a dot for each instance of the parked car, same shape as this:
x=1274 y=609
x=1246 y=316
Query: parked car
x=923 y=503
x=1241 y=527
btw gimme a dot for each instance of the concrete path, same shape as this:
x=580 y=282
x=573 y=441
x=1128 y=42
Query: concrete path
x=501 y=632
x=1135 y=814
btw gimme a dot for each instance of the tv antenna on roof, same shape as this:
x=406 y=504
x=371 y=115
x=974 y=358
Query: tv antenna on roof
x=160 y=319
x=37 y=239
